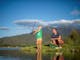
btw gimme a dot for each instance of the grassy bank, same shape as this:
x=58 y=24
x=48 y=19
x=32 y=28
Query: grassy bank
x=46 y=49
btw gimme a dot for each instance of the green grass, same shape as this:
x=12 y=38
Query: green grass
x=48 y=50
x=45 y=49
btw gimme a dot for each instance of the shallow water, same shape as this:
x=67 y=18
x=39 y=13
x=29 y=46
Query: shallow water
x=16 y=54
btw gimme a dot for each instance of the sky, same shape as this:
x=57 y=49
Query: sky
x=44 y=10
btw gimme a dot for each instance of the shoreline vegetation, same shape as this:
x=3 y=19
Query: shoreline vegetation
x=47 y=49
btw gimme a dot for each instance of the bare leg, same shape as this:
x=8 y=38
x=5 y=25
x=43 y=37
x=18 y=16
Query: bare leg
x=39 y=45
x=54 y=42
x=39 y=49
x=39 y=55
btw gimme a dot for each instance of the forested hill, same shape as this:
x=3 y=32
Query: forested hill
x=29 y=39
x=24 y=39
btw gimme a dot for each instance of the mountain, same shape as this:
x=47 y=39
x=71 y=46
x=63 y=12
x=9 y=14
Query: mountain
x=24 y=39
x=29 y=39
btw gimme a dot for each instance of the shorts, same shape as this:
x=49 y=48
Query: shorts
x=39 y=41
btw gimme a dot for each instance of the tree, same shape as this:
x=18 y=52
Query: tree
x=74 y=35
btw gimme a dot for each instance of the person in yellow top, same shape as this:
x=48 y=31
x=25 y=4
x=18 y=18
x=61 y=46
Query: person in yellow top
x=38 y=33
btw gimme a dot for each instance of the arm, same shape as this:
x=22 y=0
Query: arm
x=60 y=37
x=37 y=30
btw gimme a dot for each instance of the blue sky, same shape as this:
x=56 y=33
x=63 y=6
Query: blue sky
x=46 y=10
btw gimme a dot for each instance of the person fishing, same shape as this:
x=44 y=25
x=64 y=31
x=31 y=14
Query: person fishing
x=56 y=38
x=38 y=33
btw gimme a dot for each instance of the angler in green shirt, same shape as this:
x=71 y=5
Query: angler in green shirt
x=38 y=33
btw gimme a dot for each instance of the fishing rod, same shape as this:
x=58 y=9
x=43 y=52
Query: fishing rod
x=49 y=29
x=32 y=31
x=33 y=28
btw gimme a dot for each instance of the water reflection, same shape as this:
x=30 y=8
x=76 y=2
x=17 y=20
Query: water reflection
x=58 y=56
x=20 y=55
x=39 y=54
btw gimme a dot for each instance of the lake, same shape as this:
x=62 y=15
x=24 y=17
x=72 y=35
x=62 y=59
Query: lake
x=16 y=54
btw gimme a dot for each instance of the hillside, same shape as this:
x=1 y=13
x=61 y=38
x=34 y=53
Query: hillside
x=22 y=40
x=29 y=39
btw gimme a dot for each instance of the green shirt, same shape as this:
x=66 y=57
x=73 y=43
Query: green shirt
x=39 y=34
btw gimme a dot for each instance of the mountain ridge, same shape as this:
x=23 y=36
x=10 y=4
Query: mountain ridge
x=29 y=39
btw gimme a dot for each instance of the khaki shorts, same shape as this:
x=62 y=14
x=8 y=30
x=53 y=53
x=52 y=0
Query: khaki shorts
x=39 y=41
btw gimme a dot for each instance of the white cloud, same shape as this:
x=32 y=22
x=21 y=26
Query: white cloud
x=63 y=21
x=45 y=23
x=4 y=28
x=60 y=22
x=25 y=21
x=29 y=22
x=75 y=12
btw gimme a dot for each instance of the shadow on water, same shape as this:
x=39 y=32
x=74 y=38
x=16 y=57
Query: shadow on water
x=19 y=55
